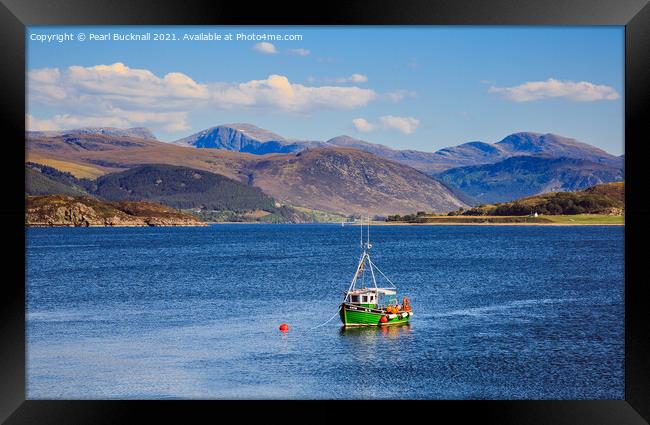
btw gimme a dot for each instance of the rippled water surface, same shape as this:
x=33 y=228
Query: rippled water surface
x=501 y=312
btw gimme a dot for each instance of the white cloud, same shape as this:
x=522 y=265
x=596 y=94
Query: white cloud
x=354 y=78
x=127 y=88
x=392 y=96
x=362 y=125
x=45 y=81
x=119 y=81
x=399 y=95
x=582 y=91
x=168 y=121
x=116 y=84
x=299 y=52
x=140 y=97
x=358 y=78
x=266 y=48
x=66 y=122
x=406 y=125
x=278 y=92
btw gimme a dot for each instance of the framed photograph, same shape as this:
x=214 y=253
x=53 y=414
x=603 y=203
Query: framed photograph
x=417 y=200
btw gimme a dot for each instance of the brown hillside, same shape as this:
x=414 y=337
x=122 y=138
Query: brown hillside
x=104 y=154
x=614 y=190
x=333 y=179
x=352 y=181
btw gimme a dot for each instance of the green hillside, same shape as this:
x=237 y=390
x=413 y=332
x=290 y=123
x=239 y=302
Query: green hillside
x=183 y=188
x=209 y=196
x=44 y=180
x=608 y=198
x=600 y=204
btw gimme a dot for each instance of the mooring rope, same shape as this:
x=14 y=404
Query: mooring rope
x=328 y=320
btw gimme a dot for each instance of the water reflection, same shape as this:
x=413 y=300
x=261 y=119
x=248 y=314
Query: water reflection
x=371 y=333
x=369 y=346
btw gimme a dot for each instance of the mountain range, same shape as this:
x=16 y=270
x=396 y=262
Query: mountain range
x=140 y=132
x=338 y=180
x=343 y=174
x=520 y=176
x=251 y=139
x=245 y=138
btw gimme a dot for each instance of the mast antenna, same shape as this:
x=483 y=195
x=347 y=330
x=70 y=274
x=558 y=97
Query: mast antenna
x=368 y=244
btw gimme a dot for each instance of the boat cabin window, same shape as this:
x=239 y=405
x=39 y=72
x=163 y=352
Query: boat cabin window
x=364 y=299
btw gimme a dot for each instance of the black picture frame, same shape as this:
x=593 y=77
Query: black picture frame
x=15 y=15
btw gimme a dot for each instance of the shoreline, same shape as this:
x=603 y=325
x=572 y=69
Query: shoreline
x=382 y=223
x=497 y=224
x=372 y=223
x=120 y=225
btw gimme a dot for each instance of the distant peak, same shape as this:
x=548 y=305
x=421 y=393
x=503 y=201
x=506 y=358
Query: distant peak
x=553 y=144
x=526 y=133
x=140 y=132
x=534 y=137
x=343 y=138
x=242 y=125
x=521 y=138
x=249 y=130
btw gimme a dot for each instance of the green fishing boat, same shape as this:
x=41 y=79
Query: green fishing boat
x=372 y=305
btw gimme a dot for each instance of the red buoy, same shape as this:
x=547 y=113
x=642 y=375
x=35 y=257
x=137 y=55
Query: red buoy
x=284 y=327
x=383 y=319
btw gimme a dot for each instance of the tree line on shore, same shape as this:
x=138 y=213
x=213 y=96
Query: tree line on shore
x=601 y=199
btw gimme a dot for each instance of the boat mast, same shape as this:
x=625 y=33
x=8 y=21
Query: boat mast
x=365 y=257
x=372 y=265
x=368 y=245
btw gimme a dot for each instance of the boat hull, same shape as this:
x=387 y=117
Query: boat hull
x=353 y=316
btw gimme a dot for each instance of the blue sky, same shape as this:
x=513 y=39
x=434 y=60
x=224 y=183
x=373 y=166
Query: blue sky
x=418 y=88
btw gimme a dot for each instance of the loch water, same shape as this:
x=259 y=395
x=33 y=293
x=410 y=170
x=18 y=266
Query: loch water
x=500 y=312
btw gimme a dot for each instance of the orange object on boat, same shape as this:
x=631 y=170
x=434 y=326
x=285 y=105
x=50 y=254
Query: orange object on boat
x=393 y=309
x=406 y=304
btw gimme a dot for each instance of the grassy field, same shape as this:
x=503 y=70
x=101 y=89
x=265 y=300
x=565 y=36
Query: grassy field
x=578 y=219
x=80 y=171
x=322 y=216
x=587 y=219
